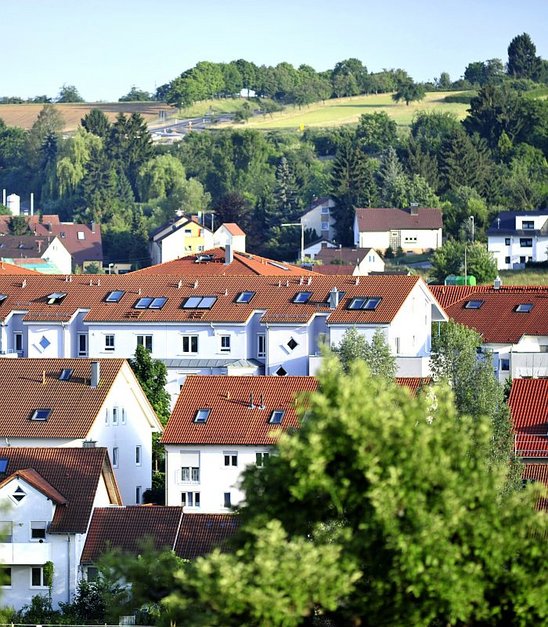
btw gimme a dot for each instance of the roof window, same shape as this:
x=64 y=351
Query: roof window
x=56 y=298
x=66 y=374
x=524 y=308
x=40 y=414
x=368 y=303
x=244 y=297
x=199 y=302
x=202 y=414
x=3 y=464
x=151 y=302
x=115 y=296
x=473 y=304
x=302 y=297
x=3 y=297
x=81 y=235
x=276 y=416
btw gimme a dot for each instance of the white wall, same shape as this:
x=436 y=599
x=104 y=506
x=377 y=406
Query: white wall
x=280 y=354
x=518 y=255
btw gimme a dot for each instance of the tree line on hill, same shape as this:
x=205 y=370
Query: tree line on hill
x=495 y=159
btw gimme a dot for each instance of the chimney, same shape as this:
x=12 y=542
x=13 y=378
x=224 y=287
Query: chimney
x=497 y=283
x=334 y=296
x=93 y=227
x=251 y=404
x=228 y=395
x=414 y=208
x=261 y=405
x=43 y=377
x=39 y=243
x=95 y=374
x=229 y=254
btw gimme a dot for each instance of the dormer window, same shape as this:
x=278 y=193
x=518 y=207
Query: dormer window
x=367 y=303
x=199 y=302
x=302 y=297
x=524 y=308
x=276 y=417
x=202 y=414
x=473 y=304
x=41 y=414
x=151 y=302
x=66 y=374
x=244 y=297
x=56 y=298
x=115 y=296
x=528 y=224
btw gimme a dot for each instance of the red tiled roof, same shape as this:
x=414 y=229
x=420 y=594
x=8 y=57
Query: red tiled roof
x=127 y=528
x=414 y=383
x=201 y=533
x=528 y=402
x=383 y=219
x=535 y=472
x=74 y=473
x=273 y=295
x=348 y=256
x=243 y=264
x=334 y=269
x=232 y=420
x=530 y=446
x=37 y=481
x=496 y=320
x=74 y=403
x=233 y=228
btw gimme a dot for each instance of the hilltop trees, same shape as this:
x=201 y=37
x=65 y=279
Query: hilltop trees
x=408 y=91
x=69 y=93
x=522 y=58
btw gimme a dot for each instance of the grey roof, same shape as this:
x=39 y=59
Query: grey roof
x=505 y=223
x=211 y=363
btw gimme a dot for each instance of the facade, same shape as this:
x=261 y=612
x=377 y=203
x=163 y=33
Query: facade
x=230 y=234
x=416 y=229
x=319 y=218
x=219 y=426
x=47 y=496
x=364 y=260
x=517 y=237
x=512 y=320
x=78 y=403
x=184 y=236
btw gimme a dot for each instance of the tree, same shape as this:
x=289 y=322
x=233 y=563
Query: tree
x=376 y=132
x=18 y=225
x=409 y=91
x=376 y=353
x=136 y=95
x=69 y=93
x=49 y=122
x=522 y=59
x=96 y=122
x=383 y=509
x=450 y=259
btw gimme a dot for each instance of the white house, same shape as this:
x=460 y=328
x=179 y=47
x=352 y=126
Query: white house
x=416 y=229
x=516 y=237
x=181 y=237
x=219 y=426
x=45 y=254
x=512 y=320
x=80 y=402
x=47 y=496
x=319 y=218
x=364 y=260
x=230 y=234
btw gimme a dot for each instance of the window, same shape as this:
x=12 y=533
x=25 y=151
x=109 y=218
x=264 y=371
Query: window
x=6 y=531
x=37 y=577
x=199 y=302
x=190 y=343
x=19 y=494
x=82 y=344
x=473 y=304
x=244 y=297
x=5 y=576
x=507 y=241
x=276 y=417
x=524 y=308
x=507 y=260
x=56 y=298
x=505 y=364
x=292 y=344
x=137 y=455
x=202 y=414
x=190 y=499
x=528 y=224
x=109 y=342
x=261 y=345
x=92 y=573
x=231 y=459
x=123 y=416
x=40 y=414
x=325 y=209
x=81 y=235
x=525 y=242
x=227 y=502
x=522 y=259
x=115 y=296
x=190 y=474
x=18 y=342
x=115 y=412
x=3 y=297
x=302 y=297
x=66 y=374
x=38 y=530
x=260 y=458
x=138 y=491
x=281 y=372
x=325 y=226
x=150 y=302
x=225 y=343
x=369 y=303
x=115 y=457
x=44 y=342
x=146 y=341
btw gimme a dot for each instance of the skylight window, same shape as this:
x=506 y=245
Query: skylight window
x=276 y=416
x=56 y=298
x=115 y=296
x=302 y=297
x=524 y=308
x=151 y=302
x=199 y=302
x=245 y=297
x=202 y=414
x=473 y=304
x=66 y=374
x=3 y=298
x=3 y=464
x=365 y=302
x=40 y=414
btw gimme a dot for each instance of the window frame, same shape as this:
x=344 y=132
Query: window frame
x=276 y=417
x=191 y=340
x=138 y=455
x=110 y=342
x=230 y=459
x=115 y=457
x=145 y=340
x=202 y=414
x=40 y=570
x=302 y=298
x=202 y=302
x=245 y=297
x=5 y=573
x=36 y=529
x=225 y=339
x=261 y=339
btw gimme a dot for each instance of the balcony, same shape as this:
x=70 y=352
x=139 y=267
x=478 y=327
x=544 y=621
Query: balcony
x=25 y=553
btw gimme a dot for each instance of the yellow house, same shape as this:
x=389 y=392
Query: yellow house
x=184 y=236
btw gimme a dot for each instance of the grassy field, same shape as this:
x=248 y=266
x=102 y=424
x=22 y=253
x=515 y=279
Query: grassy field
x=524 y=277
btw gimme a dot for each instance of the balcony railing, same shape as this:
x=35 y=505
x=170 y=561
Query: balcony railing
x=25 y=553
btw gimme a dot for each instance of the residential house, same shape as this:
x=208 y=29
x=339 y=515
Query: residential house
x=516 y=237
x=319 y=218
x=230 y=235
x=512 y=320
x=47 y=497
x=219 y=426
x=313 y=248
x=364 y=260
x=416 y=229
x=81 y=403
x=45 y=254
x=178 y=238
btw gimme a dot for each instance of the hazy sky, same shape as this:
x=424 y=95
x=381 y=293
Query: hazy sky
x=103 y=47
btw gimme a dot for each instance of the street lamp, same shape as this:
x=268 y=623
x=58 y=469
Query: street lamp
x=472 y=226
x=302 y=235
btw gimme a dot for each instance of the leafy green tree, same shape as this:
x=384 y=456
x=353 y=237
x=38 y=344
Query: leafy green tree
x=49 y=122
x=69 y=93
x=444 y=81
x=432 y=129
x=376 y=132
x=376 y=353
x=522 y=58
x=450 y=259
x=74 y=155
x=526 y=179
x=409 y=91
x=136 y=95
x=160 y=177
x=18 y=225
x=466 y=161
x=462 y=204
x=152 y=375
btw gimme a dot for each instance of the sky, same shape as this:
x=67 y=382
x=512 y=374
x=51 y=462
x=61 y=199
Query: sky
x=104 y=47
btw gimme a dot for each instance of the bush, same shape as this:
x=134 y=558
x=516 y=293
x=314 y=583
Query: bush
x=463 y=97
